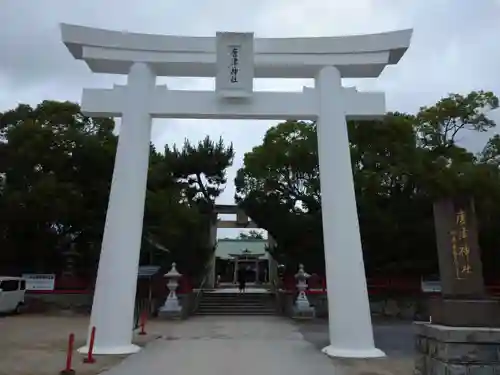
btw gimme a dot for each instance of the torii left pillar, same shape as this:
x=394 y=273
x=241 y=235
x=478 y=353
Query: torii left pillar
x=123 y=229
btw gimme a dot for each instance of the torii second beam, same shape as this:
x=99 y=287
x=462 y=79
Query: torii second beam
x=184 y=104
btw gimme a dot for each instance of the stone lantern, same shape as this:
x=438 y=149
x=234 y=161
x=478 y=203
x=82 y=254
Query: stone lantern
x=302 y=307
x=171 y=307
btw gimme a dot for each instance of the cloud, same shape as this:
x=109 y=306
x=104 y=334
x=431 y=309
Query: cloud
x=454 y=49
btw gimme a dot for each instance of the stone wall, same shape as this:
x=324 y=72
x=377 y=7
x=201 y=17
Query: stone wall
x=456 y=350
x=391 y=306
x=41 y=303
x=399 y=307
x=82 y=303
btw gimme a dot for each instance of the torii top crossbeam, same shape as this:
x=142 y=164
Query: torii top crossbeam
x=357 y=56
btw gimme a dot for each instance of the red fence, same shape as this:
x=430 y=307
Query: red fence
x=317 y=285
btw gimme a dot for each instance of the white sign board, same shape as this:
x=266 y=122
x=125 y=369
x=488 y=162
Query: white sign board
x=39 y=281
x=235 y=65
x=431 y=286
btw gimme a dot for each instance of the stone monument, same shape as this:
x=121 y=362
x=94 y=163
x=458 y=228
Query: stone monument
x=464 y=334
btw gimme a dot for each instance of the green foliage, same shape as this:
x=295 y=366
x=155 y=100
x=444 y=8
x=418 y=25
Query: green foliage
x=400 y=166
x=439 y=125
x=56 y=166
x=252 y=234
x=491 y=152
x=183 y=214
x=55 y=173
x=279 y=189
x=201 y=168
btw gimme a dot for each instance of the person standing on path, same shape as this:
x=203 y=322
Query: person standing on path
x=242 y=279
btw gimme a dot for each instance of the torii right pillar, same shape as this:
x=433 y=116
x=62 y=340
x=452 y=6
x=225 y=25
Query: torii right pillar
x=350 y=326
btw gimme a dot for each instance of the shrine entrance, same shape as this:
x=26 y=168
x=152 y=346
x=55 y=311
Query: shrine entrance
x=257 y=268
x=251 y=268
x=256 y=265
x=231 y=253
x=235 y=60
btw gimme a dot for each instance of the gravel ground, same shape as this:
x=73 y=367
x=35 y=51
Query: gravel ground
x=395 y=338
x=36 y=345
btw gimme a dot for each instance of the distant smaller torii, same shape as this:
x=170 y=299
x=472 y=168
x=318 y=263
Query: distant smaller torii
x=241 y=221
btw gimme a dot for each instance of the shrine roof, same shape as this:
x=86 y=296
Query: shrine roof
x=228 y=248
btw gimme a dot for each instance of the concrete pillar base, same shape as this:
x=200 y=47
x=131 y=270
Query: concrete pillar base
x=111 y=350
x=300 y=313
x=334 y=352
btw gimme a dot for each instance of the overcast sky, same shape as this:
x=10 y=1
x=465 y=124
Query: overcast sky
x=454 y=49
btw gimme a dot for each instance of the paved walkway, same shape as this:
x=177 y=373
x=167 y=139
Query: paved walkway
x=232 y=345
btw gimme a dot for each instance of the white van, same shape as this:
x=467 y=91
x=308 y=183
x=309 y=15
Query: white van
x=12 y=290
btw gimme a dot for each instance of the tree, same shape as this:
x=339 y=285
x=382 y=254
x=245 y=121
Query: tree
x=184 y=217
x=400 y=165
x=439 y=125
x=279 y=189
x=252 y=234
x=491 y=152
x=55 y=173
x=56 y=166
x=201 y=168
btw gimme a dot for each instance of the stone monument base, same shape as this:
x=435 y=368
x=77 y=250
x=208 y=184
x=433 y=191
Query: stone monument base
x=170 y=311
x=170 y=314
x=456 y=350
x=465 y=312
x=304 y=312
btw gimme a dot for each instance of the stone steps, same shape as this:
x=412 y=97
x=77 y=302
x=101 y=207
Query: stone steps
x=233 y=303
x=237 y=313
x=236 y=304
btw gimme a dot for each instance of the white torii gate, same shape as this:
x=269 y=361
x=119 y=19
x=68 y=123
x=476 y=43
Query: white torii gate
x=234 y=59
